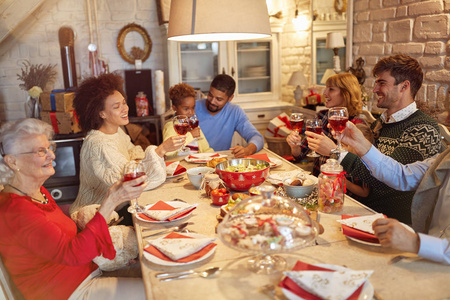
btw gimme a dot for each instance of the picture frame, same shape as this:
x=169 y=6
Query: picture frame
x=163 y=7
x=128 y=57
x=340 y=6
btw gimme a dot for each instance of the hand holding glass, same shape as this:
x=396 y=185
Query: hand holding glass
x=181 y=126
x=314 y=125
x=338 y=117
x=132 y=170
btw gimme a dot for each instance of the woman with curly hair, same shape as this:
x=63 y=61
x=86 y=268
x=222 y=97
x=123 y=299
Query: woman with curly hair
x=342 y=90
x=183 y=103
x=101 y=107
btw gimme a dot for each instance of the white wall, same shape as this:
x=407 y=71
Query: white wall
x=36 y=39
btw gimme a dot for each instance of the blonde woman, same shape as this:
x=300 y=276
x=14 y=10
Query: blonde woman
x=342 y=90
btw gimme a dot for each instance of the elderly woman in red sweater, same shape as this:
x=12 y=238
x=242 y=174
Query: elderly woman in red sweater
x=39 y=245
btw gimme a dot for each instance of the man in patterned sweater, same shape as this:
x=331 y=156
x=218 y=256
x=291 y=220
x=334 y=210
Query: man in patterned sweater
x=402 y=132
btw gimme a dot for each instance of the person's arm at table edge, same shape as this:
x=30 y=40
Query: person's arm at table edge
x=434 y=248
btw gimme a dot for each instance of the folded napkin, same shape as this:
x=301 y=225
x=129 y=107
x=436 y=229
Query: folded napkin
x=359 y=234
x=180 y=248
x=259 y=156
x=174 y=168
x=316 y=290
x=277 y=178
x=162 y=211
x=363 y=223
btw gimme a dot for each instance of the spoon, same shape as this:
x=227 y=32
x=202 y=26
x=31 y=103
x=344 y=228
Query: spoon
x=173 y=276
x=174 y=229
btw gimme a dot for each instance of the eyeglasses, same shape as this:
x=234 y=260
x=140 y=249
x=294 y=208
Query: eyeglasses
x=41 y=152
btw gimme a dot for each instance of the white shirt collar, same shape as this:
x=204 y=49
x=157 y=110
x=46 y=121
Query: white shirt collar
x=401 y=114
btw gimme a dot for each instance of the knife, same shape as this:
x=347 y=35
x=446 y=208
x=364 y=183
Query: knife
x=174 y=229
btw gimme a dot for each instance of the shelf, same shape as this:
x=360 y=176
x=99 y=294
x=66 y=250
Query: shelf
x=254 y=78
x=197 y=52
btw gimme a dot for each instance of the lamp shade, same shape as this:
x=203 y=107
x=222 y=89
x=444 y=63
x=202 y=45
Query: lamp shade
x=298 y=78
x=334 y=40
x=328 y=73
x=218 y=20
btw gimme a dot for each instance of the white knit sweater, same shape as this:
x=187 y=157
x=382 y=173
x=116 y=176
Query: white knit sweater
x=103 y=157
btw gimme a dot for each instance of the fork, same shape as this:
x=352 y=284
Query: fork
x=398 y=258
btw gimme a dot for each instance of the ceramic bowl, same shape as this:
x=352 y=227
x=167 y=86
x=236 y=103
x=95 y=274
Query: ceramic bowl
x=242 y=181
x=196 y=175
x=295 y=191
x=220 y=200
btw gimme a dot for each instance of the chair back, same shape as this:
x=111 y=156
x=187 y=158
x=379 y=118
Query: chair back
x=368 y=115
x=8 y=288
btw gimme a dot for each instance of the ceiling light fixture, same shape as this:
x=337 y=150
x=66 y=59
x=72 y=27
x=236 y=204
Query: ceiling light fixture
x=218 y=20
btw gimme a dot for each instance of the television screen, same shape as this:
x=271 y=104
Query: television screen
x=64 y=163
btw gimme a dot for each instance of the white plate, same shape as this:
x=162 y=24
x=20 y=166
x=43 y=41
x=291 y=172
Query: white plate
x=163 y=262
x=374 y=244
x=173 y=176
x=275 y=162
x=175 y=204
x=203 y=157
x=366 y=293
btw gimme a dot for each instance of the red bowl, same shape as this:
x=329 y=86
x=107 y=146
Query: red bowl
x=242 y=181
x=220 y=200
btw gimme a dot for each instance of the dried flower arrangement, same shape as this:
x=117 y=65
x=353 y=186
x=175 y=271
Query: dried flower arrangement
x=35 y=77
x=137 y=53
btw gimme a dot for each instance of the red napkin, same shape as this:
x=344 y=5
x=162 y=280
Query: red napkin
x=290 y=285
x=161 y=205
x=180 y=169
x=358 y=234
x=259 y=156
x=195 y=157
x=155 y=252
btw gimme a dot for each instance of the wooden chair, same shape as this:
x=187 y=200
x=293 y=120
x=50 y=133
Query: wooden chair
x=8 y=288
x=445 y=134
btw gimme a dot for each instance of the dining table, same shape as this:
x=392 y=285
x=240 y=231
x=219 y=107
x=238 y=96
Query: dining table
x=411 y=278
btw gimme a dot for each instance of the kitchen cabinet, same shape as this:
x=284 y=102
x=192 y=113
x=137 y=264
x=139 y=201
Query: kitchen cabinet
x=254 y=64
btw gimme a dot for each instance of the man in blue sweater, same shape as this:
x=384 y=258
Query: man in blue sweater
x=219 y=119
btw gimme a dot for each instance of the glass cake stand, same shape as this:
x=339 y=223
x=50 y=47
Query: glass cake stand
x=265 y=225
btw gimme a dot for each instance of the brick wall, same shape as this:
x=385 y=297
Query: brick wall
x=417 y=28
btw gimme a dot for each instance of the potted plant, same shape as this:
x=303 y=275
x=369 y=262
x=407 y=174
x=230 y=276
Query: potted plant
x=34 y=79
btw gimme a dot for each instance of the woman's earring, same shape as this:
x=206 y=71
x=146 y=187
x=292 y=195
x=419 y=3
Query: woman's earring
x=17 y=169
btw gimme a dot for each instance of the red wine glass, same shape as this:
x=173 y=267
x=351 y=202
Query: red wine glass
x=132 y=170
x=296 y=120
x=181 y=126
x=314 y=125
x=193 y=123
x=338 y=117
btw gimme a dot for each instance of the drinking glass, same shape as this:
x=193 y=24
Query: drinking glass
x=314 y=125
x=338 y=117
x=193 y=123
x=132 y=170
x=296 y=122
x=181 y=126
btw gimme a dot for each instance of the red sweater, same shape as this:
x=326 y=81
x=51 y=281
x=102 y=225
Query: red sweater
x=41 y=249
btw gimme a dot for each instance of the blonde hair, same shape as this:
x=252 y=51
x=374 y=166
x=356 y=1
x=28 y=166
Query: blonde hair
x=350 y=90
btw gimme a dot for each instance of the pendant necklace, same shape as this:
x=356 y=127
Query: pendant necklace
x=34 y=199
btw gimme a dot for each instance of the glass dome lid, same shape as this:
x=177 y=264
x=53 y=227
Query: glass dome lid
x=267 y=224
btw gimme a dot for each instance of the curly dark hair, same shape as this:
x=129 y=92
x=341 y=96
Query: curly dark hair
x=90 y=98
x=224 y=83
x=402 y=67
x=180 y=91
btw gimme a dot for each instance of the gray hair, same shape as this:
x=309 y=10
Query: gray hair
x=11 y=136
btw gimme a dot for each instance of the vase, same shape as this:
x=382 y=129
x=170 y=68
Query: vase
x=32 y=108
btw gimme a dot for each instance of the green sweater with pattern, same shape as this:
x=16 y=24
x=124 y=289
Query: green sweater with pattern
x=413 y=139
